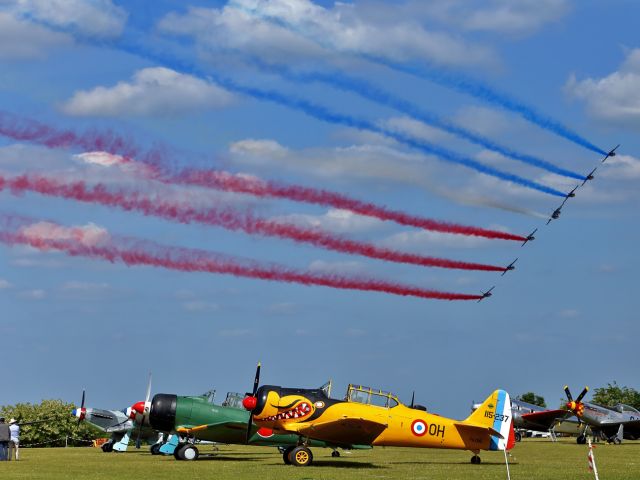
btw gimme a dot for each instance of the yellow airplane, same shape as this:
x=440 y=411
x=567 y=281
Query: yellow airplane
x=377 y=418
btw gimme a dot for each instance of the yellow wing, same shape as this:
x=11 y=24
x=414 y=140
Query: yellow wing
x=344 y=431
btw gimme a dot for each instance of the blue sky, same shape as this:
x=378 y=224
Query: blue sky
x=566 y=315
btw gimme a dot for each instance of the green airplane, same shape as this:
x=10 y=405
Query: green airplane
x=191 y=418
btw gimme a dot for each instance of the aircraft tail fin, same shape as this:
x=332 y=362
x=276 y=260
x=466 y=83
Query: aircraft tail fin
x=495 y=415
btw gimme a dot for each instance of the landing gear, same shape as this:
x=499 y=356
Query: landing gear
x=107 y=447
x=581 y=440
x=518 y=436
x=475 y=460
x=616 y=441
x=335 y=454
x=285 y=455
x=300 y=456
x=186 y=451
x=155 y=449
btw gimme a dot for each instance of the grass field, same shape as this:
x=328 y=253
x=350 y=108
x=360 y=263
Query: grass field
x=531 y=459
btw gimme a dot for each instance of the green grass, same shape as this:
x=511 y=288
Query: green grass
x=531 y=459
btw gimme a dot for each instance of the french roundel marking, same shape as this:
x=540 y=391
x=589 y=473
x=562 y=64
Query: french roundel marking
x=418 y=428
x=265 y=432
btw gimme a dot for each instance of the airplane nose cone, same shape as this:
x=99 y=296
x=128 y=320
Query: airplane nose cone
x=249 y=403
x=137 y=408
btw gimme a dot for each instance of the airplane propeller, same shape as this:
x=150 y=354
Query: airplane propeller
x=250 y=401
x=145 y=410
x=576 y=406
x=413 y=396
x=80 y=413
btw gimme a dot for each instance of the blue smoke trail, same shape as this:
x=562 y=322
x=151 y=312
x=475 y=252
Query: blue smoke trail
x=469 y=86
x=321 y=113
x=380 y=96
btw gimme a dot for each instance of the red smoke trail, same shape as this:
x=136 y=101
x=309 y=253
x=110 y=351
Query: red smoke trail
x=32 y=131
x=191 y=260
x=223 y=217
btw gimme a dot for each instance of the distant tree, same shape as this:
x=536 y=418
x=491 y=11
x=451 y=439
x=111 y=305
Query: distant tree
x=57 y=424
x=534 y=399
x=613 y=394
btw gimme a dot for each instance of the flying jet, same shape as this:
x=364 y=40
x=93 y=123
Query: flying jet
x=120 y=424
x=529 y=238
x=556 y=214
x=612 y=153
x=194 y=418
x=589 y=176
x=610 y=423
x=372 y=417
x=487 y=294
x=509 y=267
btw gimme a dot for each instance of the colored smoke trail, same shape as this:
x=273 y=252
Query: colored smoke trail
x=140 y=252
x=324 y=114
x=386 y=98
x=227 y=218
x=26 y=129
x=457 y=82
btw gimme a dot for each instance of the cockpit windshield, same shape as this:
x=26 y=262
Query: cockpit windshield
x=371 y=396
x=622 y=408
x=233 y=400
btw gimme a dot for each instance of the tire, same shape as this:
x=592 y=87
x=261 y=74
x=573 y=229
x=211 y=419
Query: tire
x=475 y=460
x=107 y=447
x=189 y=452
x=301 y=457
x=176 y=453
x=616 y=441
x=285 y=455
x=581 y=440
x=518 y=436
x=155 y=449
x=335 y=454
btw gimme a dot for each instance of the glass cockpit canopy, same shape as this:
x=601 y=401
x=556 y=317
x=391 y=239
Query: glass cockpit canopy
x=622 y=408
x=233 y=400
x=371 y=396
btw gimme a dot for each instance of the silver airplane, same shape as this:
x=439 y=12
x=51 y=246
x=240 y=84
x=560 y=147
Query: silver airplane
x=123 y=425
x=527 y=416
x=612 y=424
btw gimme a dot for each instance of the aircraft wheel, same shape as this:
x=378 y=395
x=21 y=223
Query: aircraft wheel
x=177 y=452
x=518 y=436
x=581 y=440
x=475 y=460
x=285 y=455
x=301 y=457
x=189 y=452
x=155 y=449
x=335 y=454
x=107 y=447
x=616 y=441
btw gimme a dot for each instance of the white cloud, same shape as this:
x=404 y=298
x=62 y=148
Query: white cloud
x=348 y=267
x=334 y=220
x=282 y=308
x=99 y=18
x=517 y=17
x=311 y=30
x=84 y=287
x=4 y=284
x=569 y=313
x=614 y=98
x=236 y=332
x=35 y=294
x=152 y=91
x=416 y=129
x=420 y=239
x=88 y=235
x=21 y=39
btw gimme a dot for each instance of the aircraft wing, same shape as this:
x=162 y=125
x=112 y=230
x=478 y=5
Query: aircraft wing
x=543 y=420
x=345 y=431
x=189 y=429
x=630 y=427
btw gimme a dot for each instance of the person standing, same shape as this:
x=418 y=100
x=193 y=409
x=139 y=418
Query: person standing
x=5 y=436
x=14 y=441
